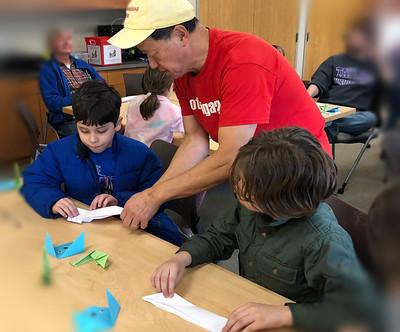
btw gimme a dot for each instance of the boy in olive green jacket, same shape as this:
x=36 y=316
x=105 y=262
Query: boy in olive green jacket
x=288 y=240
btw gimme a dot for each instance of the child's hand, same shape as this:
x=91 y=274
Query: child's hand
x=169 y=274
x=103 y=200
x=65 y=207
x=257 y=316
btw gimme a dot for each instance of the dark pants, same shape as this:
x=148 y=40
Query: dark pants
x=393 y=96
x=163 y=227
x=65 y=129
x=354 y=124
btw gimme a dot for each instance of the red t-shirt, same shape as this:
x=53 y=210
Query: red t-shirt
x=246 y=81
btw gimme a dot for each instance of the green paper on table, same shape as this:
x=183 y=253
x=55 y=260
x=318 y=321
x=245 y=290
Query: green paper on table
x=46 y=276
x=98 y=256
x=324 y=108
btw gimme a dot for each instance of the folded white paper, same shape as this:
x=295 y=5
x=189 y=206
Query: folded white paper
x=90 y=215
x=189 y=312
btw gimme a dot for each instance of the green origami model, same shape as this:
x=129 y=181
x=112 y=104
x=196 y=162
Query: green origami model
x=98 y=256
x=46 y=276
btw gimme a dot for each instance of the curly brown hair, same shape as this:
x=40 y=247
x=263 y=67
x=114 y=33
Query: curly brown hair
x=284 y=173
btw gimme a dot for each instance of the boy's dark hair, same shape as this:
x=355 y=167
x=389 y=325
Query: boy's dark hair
x=384 y=232
x=165 y=33
x=96 y=103
x=283 y=172
x=156 y=83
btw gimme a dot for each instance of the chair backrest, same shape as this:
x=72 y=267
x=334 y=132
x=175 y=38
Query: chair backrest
x=133 y=84
x=186 y=207
x=31 y=127
x=391 y=153
x=354 y=221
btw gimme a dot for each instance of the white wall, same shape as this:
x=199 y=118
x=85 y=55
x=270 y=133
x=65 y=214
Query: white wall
x=194 y=3
x=27 y=34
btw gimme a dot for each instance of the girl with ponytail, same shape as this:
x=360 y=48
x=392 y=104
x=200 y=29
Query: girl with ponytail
x=153 y=116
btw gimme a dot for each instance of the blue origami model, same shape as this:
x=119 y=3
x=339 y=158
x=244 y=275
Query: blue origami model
x=66 y=249
x=97 y=319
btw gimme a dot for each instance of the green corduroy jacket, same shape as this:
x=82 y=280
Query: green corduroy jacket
x=310 y=260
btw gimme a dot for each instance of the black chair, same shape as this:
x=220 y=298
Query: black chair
x=133 y=84
x=186 y=207
x=32 y=129
x=344 y=138
x=391 y=154
x=354 y=221
x=49 y=126
x=306 y=83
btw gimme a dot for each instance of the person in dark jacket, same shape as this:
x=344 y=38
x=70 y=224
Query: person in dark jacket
x=96 y=166
x=383 y=233
x=60 y=77
x=289 y=241
x=350 y=79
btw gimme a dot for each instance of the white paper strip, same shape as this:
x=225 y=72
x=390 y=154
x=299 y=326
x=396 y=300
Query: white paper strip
x=90 y=215
x=187 y=311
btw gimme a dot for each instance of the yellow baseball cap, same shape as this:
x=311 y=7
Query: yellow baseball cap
x=143 y=17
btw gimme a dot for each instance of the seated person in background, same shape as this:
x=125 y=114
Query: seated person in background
x=384 y=235
x=289 y=241
x=350 y=79
x=60 y=77
x=154 y=116
x=96 y=166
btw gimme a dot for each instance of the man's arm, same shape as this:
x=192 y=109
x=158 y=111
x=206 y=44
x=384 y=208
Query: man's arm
x=51 y=96
x=321 y=80
x=194 y=148
x=179 y=182
x=313 y=90
x=210 y=171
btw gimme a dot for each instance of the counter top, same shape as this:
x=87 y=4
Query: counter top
x=124 y=65
x=34 y=72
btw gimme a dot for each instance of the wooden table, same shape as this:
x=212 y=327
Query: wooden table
x=343 y=112
x=28 y=305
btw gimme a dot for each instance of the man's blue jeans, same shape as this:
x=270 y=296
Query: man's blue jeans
x=354 y=124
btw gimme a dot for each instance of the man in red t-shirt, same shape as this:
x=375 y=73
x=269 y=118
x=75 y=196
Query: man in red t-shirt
x=230 y=86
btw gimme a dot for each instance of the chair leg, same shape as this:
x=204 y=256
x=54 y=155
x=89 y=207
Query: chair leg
x=355 y=164
x=333 y=151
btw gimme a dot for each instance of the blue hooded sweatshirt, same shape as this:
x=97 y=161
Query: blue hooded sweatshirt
x=65 y=169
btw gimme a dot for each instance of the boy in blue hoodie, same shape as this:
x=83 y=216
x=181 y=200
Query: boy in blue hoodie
x=97 y=166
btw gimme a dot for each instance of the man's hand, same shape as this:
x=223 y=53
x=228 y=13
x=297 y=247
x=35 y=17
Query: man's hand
x=139 y=209
x=313 y=90
x=103 y=200
x=256 y=316
x=65 y=207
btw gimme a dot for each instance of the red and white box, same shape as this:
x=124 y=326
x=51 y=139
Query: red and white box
x=102 y=53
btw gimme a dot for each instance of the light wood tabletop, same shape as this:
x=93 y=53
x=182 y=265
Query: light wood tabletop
x=28 y=305
x=340 y=111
